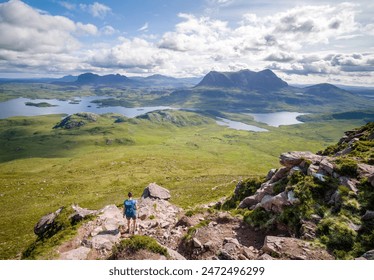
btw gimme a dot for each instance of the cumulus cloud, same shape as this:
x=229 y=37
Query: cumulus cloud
x=136 y=53
x=23 y=28
x=196 y=34
x=96 y=9
x=289 y=41
x=333 y=65
x=32 y=40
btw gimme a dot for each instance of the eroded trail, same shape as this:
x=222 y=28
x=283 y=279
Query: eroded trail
x=207 y=234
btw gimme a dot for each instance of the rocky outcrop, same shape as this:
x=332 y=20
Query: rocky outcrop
x=77 y=120
x=320 y=167
x=155 y=191
x=293 y=249
x=337 y=181
x=265 y=198
x=46 y=222
x=291 y=159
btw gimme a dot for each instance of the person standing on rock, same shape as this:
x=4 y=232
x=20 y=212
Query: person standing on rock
x=129 y=210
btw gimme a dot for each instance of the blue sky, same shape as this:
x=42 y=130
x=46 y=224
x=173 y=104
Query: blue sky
x=301 y=41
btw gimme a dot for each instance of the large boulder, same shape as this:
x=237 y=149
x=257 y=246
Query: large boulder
x=46 y=222
x=291 y=159
x=81 y=213
x=155 y=191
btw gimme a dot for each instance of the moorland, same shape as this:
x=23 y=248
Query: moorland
x=94 y=160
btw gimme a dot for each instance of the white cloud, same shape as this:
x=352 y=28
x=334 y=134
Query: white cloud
x=32 y=40
x=144 y=27
x=299 y=42
x=86 y=29
x=96 y=9
x=23 y=28
x=108 y=30
x=136 y=53
x=68 y=5
x=196 y=34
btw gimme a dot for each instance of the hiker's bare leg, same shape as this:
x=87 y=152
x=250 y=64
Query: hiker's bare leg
x=128 y=225
x=134 y=225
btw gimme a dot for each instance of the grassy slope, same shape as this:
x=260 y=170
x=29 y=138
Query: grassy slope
x=42 y=169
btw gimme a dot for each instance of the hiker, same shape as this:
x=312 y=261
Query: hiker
x=129 y=210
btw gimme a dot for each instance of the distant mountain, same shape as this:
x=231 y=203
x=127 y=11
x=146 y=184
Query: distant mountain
x=262 y=92
x=153 y=81
x=113 y=80
x=325 y=90
x=94 y=79
x=244 y=79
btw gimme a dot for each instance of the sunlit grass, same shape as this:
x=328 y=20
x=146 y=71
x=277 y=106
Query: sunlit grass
x=42 y=168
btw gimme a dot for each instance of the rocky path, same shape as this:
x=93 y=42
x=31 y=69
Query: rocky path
x=205 y=235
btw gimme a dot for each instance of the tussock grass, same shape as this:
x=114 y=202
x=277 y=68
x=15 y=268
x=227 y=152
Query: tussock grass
x=136 y=243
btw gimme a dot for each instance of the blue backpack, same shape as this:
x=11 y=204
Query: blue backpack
x=130 y=207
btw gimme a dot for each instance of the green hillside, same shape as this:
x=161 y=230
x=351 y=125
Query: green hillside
x=99 y=161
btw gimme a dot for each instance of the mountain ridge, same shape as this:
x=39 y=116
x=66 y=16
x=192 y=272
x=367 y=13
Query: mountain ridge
x=244 y=79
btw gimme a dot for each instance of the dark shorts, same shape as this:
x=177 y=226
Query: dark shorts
x=131 y=217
